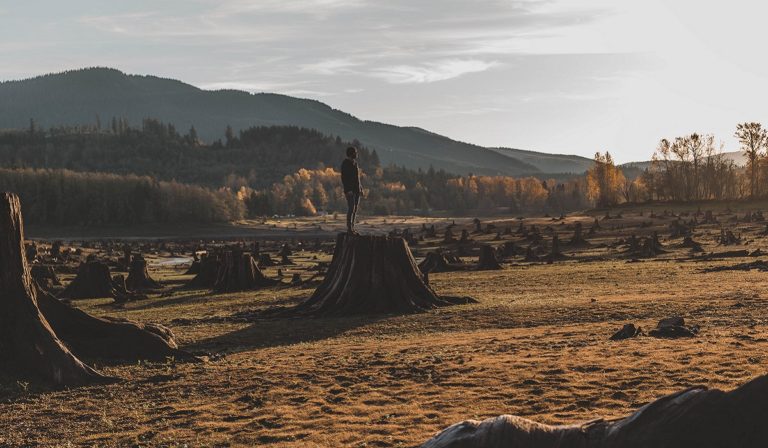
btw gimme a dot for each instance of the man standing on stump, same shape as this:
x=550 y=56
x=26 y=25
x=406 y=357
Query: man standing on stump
x=350 y=180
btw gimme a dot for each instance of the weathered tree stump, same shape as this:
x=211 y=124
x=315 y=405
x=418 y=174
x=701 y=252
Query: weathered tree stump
x=692 y=244
x=45 y=276
x=138 y=276
x=32 y=252
x=509 y=249
x=93 y=281
x=28 y=344
x=265 y=260
x=651 y=246
x=35 y=326
x=194 y=268
x=285 y=260
x=125 y=260
x=692 y=418
x=286 y=250
x=373 y=275
x=578 y=236
x=437 y=262
x=207 y=274
x=56 y=249
x=728 y=238
x=488 y=260
x=530 y=255
x=555 y=254
x=239 y=272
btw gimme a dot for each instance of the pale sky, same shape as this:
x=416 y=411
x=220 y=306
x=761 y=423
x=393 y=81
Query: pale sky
x=547 y=75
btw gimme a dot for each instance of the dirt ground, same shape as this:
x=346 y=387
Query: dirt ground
x=536 y=345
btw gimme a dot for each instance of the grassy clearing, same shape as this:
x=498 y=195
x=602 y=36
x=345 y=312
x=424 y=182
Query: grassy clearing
x=536 y=345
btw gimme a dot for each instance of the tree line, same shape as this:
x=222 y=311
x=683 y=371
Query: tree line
x=396 y=190
x=64 y=197
x=124 y=175
x=258 y=156
x=688 y=168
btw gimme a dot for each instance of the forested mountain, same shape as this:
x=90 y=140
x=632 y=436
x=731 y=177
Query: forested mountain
x=96 y=95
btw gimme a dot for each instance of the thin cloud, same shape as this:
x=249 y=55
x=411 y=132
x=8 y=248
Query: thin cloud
x=432 y=72
x=330 y=67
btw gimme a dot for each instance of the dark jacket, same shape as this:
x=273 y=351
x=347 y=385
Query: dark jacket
x=350 y=176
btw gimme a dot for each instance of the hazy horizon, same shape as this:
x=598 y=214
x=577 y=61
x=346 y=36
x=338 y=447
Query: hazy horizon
x=543 y=75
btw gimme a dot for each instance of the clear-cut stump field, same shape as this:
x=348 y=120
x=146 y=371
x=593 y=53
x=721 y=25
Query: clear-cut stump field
x=373 y=275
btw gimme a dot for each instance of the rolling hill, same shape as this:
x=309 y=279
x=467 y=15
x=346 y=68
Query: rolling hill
x=549 y=163
x=97 y=94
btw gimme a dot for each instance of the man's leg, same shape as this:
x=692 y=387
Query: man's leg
x=350 y=211
x=356 y=203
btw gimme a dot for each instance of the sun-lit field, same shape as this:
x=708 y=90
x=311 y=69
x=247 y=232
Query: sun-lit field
x=536 y=345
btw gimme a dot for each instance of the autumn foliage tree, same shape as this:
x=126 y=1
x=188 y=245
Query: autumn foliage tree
x=605 y=181
x=754 y=140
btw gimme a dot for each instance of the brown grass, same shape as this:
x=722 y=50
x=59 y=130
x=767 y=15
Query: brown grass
x=536 y=345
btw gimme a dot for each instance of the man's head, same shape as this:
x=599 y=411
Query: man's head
x=352 y=152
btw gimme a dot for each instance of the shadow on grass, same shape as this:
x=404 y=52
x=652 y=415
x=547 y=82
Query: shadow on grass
x=161 y=302
x=276 y=332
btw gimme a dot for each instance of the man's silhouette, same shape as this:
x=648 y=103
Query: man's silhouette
x=350 y=180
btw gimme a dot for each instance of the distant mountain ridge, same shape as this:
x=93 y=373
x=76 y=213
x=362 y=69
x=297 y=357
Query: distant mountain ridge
x=87 y=95
x=549 y=163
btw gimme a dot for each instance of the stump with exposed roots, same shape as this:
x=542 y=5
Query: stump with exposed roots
x=138 y=276
x=42 y=338
x=373 y=275
x=239 y=272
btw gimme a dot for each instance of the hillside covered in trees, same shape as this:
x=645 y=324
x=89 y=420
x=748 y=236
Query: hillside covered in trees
x=83 y=97
x=255 y=157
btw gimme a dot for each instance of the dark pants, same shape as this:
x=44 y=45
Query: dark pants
x=353 y=201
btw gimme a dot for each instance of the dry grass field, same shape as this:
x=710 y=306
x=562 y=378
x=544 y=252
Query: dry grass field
x=536 y=345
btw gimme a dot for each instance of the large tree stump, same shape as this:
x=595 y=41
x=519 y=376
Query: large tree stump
x=207 y=274
x=28 y=345
x=92 y=282
x=373 y=275
x=35 y=326
x=693 y=418
x=488 y=260
x=138 y=276
x=239 y=272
